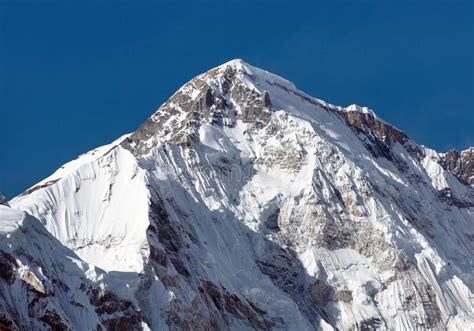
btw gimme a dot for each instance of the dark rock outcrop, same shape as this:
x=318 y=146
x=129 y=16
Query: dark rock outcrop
x=461 y=164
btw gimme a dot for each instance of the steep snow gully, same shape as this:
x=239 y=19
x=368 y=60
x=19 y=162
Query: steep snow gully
x=243 y=203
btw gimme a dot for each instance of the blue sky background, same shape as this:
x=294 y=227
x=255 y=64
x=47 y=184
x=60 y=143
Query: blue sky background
x=75 y=75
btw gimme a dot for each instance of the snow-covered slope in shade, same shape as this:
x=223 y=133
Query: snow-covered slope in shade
x=244 y=203
x=46 y=286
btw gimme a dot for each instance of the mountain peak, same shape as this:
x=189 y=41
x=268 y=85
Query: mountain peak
x=244 y=203
x=234 y=91
x=222 y=95
x=257 y=77
x=235 y=63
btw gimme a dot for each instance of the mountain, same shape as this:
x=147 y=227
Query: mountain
x=243 y=203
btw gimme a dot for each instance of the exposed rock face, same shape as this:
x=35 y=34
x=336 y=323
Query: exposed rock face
x=461 y=164
x=244 y=203
x=219 y=96
x=369 y=124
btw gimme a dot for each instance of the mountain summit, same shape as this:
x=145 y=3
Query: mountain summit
x=244 y=203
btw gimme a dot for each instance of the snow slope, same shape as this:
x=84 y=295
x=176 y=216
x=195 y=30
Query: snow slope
x=244 y=203
x=44 y=285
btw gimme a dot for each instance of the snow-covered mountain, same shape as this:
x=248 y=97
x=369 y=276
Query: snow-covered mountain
x=244 y=203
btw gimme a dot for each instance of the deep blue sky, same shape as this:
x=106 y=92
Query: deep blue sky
x=75 y=75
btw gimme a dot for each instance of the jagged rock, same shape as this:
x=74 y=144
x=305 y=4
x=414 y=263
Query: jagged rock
x=461 y=164
x=369 y=124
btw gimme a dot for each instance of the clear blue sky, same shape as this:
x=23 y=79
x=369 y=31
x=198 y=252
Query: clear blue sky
x=75 y=75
